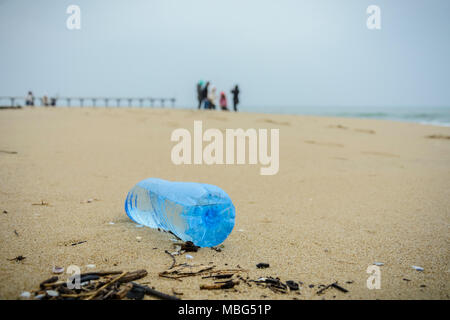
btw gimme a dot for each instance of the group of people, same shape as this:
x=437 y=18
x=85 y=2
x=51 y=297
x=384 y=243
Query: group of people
x=207 y=96
x=29 y=100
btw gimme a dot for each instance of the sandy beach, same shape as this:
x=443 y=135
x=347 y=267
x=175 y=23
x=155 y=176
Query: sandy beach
x=349 y=192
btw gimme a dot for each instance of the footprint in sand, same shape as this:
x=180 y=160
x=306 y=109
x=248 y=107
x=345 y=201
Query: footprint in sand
x=438 y=136
x=381 y=154
x=280 y=123
x=338 y=126
x=173 y=124
x=327 y=144
x=218 y=118
x=8 y=152
x=366 y=131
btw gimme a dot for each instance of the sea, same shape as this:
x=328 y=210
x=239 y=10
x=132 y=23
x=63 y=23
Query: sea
x=437 y=116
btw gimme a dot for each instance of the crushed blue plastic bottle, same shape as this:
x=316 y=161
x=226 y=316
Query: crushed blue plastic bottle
x=197 y=212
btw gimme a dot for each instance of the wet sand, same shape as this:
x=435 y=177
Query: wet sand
x=349 y=192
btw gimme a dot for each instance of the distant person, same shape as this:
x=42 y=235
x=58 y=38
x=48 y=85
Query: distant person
x=205 y=92
x=45 y=101
x=235 y=93
x=53 y=102
x=199 y=93
x=212 y=98
x=29 y=101
x=223 y=101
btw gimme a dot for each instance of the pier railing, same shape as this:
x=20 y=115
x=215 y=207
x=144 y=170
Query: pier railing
x=89 y=101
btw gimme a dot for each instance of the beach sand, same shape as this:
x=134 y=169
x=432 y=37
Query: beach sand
x=349 y=192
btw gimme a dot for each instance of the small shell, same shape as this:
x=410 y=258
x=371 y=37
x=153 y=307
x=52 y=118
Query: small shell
x=90 y=266
x=52 y=293
x=57 y=270
x=417 y=268
x=188 y=256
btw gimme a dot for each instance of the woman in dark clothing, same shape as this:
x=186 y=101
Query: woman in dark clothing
x=235 y=93
x=205 y=96
x=199 y=93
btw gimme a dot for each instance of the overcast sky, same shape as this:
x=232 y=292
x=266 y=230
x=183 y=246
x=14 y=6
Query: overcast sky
x=282 y=53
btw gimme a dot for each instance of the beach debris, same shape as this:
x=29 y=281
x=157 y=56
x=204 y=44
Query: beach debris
x=100 y=285
x=378 y=264
x=332 y=285
x=89 y=200
x=417 y=268
x=42 y=203
x=174 y=261
x=77 y=243
x=25 y=294
x=111 y=223
x=152 y=292
x=188 y=256
x=189 y=246
x=139 y=239
x=48 y=281
x=52 y=293
x=218 y=248
x=18 y=258
x=262 y=265
x=91 y=266
x=175 y=291
x=273 y=284
x=292 y=285
x=185 y=270
x=220 y=285
x=5 y=211
x=16 y=233
x=57 y=270
x=405 y=279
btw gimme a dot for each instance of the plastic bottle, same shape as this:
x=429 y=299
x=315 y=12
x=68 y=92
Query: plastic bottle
x=197 y=212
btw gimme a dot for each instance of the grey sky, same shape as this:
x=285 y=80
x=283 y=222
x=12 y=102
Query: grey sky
x=282 y=53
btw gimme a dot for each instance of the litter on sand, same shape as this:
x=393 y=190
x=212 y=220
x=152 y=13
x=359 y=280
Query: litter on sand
x=102 y=285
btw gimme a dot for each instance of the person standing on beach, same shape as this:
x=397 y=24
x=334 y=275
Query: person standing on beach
x=199 y=93
x=205 y=96
x=45 y=100
x=29 y=101
x=223 y=101
x=235 y=93
x=212 y=98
